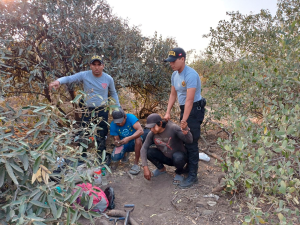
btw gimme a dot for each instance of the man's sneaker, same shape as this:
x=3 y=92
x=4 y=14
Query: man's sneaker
x=188 y=182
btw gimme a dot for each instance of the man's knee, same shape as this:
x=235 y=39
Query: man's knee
x=117 y=156
x=151 y=152
x=179 y=159
x=138 y=142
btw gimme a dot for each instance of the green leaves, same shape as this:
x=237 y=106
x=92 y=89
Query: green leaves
x=75 y=100
x=254 y=91
x=52 y=206
x=90 y=202
x=39 y=108
x=282 y=188
x=35 y=218
x=36 y=165
x=68 y=216
x=40 y=204
x=23 y=160
x=2 y=176
x=11 y=173
x=75 y=196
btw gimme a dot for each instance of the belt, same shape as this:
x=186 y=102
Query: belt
x=195 y=104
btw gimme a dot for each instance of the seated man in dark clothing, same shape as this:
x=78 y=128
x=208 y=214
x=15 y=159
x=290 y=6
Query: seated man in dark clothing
x=168 y=138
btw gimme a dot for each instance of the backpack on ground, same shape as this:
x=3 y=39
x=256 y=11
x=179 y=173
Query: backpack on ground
x=100 y=201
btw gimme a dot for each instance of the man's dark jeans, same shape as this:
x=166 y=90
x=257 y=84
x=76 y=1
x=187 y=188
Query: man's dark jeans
x=101 y=133
x=179 y=159
x=194 y=122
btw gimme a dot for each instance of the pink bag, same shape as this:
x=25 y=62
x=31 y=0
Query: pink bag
x=100 y=201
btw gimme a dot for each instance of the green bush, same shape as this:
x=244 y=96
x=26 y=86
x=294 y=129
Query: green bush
x=31 y=191
x=252 y=74
x=42 y=40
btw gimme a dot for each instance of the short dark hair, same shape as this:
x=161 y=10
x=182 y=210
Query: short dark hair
x=162 y=123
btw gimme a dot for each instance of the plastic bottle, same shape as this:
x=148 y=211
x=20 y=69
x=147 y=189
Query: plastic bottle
x=98 y=176
x=104 y=176
x=60 y=162
x=204 y=157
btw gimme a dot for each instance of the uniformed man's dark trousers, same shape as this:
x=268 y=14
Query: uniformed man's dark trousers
x=194 y=121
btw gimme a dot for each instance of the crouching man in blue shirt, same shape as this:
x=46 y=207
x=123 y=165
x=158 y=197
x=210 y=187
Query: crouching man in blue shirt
x=127 y=131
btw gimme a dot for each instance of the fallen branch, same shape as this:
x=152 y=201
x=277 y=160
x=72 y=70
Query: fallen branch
x=214 y=156
x=207 y=145
x=173 y=204
x=223 y=129
x=130 y=175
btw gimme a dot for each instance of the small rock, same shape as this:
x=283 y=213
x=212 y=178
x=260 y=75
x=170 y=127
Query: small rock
x=208 y=212
x=212 y=196
x=211 y=203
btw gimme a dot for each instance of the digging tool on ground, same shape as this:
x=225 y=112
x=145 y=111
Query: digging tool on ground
x=128 y=208
x=117 y=219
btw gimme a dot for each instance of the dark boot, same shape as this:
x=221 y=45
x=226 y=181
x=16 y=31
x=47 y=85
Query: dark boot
x=192 y=177
x=188 y=182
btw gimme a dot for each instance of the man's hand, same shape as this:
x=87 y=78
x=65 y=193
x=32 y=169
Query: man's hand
x=183 y=124
x=167 y=116
x=54 y=84
x=185 y=131
x=147 y=173
x=124 y=141
x=118 y=143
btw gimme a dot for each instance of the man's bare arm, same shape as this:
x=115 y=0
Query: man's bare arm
x=171 y=102
x=139 y=132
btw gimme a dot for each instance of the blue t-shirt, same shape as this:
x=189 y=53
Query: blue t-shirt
x=126 y=130
x=188 y=78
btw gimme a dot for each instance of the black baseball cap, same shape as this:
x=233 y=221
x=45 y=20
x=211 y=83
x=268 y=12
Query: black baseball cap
x=174 y=54
x=153 y=119
x=118 y=115
x=96 y=58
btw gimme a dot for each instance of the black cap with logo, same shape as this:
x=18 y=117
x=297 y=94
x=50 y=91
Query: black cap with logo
x=174 y=54
x=153 y=119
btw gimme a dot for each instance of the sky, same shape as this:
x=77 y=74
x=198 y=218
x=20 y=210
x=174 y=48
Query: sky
x=184 y=20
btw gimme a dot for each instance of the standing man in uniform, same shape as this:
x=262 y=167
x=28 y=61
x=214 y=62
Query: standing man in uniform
x=186 y=85
x=96 y=84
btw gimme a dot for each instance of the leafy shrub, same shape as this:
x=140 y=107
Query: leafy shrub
x=42 y=40
x=34 y=189
x=252 y=71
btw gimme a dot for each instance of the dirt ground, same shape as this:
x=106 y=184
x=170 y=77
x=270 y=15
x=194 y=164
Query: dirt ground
x=160 y=202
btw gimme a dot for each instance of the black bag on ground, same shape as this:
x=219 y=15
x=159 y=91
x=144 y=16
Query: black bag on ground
x=110 y=194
